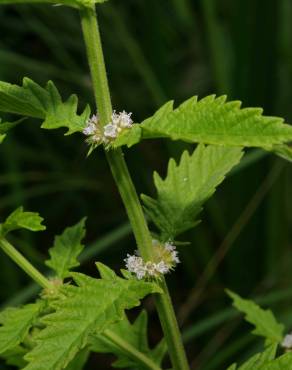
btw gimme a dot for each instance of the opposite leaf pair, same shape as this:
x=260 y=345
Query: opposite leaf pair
x=210 y=120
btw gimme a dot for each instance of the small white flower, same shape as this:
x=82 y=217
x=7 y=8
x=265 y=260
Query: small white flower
x=175 y=257
x=92 y=125
x=110 y=131
x=287 y=341
x=162 y=267
x=140 y=273
x=150 y=268
x=89 y=129
x=170 y=247
x=115 y=118
x=133 y=262
x=125 y=119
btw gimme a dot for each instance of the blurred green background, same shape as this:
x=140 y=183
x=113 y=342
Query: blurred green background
x=157 y=51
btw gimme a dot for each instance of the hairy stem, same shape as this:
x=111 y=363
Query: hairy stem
x=131 y=351
x=125 y=185
x=24 y=264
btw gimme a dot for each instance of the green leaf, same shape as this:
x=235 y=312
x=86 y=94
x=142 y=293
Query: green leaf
x=90 y=307
x=74 y=3
x=15 y=325
x=264 y=321
x=133 y=136
x=232 y=367
x=260 y=359
x=212 y=120
x=257 y=361
x=281 y=363
x=32 y=100
x=6 y=126
x=188 y=186
x=135 y=336
x=128 y=137
x=66 y=249
x=20 y=219
x=79 y=361
x=283 y=151
x=14 y=357
x=105 y=272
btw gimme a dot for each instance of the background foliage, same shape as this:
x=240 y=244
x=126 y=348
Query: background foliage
x=157 y=51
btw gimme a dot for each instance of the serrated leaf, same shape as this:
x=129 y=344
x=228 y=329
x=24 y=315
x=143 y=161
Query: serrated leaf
x=15 y=325
x=14 y=357
x=187 y=186
x=20 y=219
x=79 y=361
x=283 y=151
x=212 y=120
x=257 y=361
x=260 y=359
x=32 y=100
x=264 y=321
x=72 y=3
x=105 y=272
x=283 y=362
x=90 y=307
x=135 y=335
x=66 y=250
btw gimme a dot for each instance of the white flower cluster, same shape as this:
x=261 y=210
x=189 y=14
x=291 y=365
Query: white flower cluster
x=172 y=249
x=104 y=135
x=165 y=259
x=287 y=342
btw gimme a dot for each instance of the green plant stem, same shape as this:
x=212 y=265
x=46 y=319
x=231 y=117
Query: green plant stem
x=131 y=351
x=24 y=264
x=125 y=185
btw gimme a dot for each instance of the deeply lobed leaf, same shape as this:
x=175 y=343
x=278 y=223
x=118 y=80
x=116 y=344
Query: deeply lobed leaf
x=283 y=362
x=257 y=361
x=264 y=321
x=90 y=307
x=135 y=335
x=32 y=100
x=79 y=361
x=66 y=249
x=15 y=325
x=20 y=219
x=188 y=186
x=212 y=120
x=260 y=359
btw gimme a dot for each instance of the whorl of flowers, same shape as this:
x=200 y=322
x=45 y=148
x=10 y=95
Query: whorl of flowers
x=165 y=259
x=105 y=135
